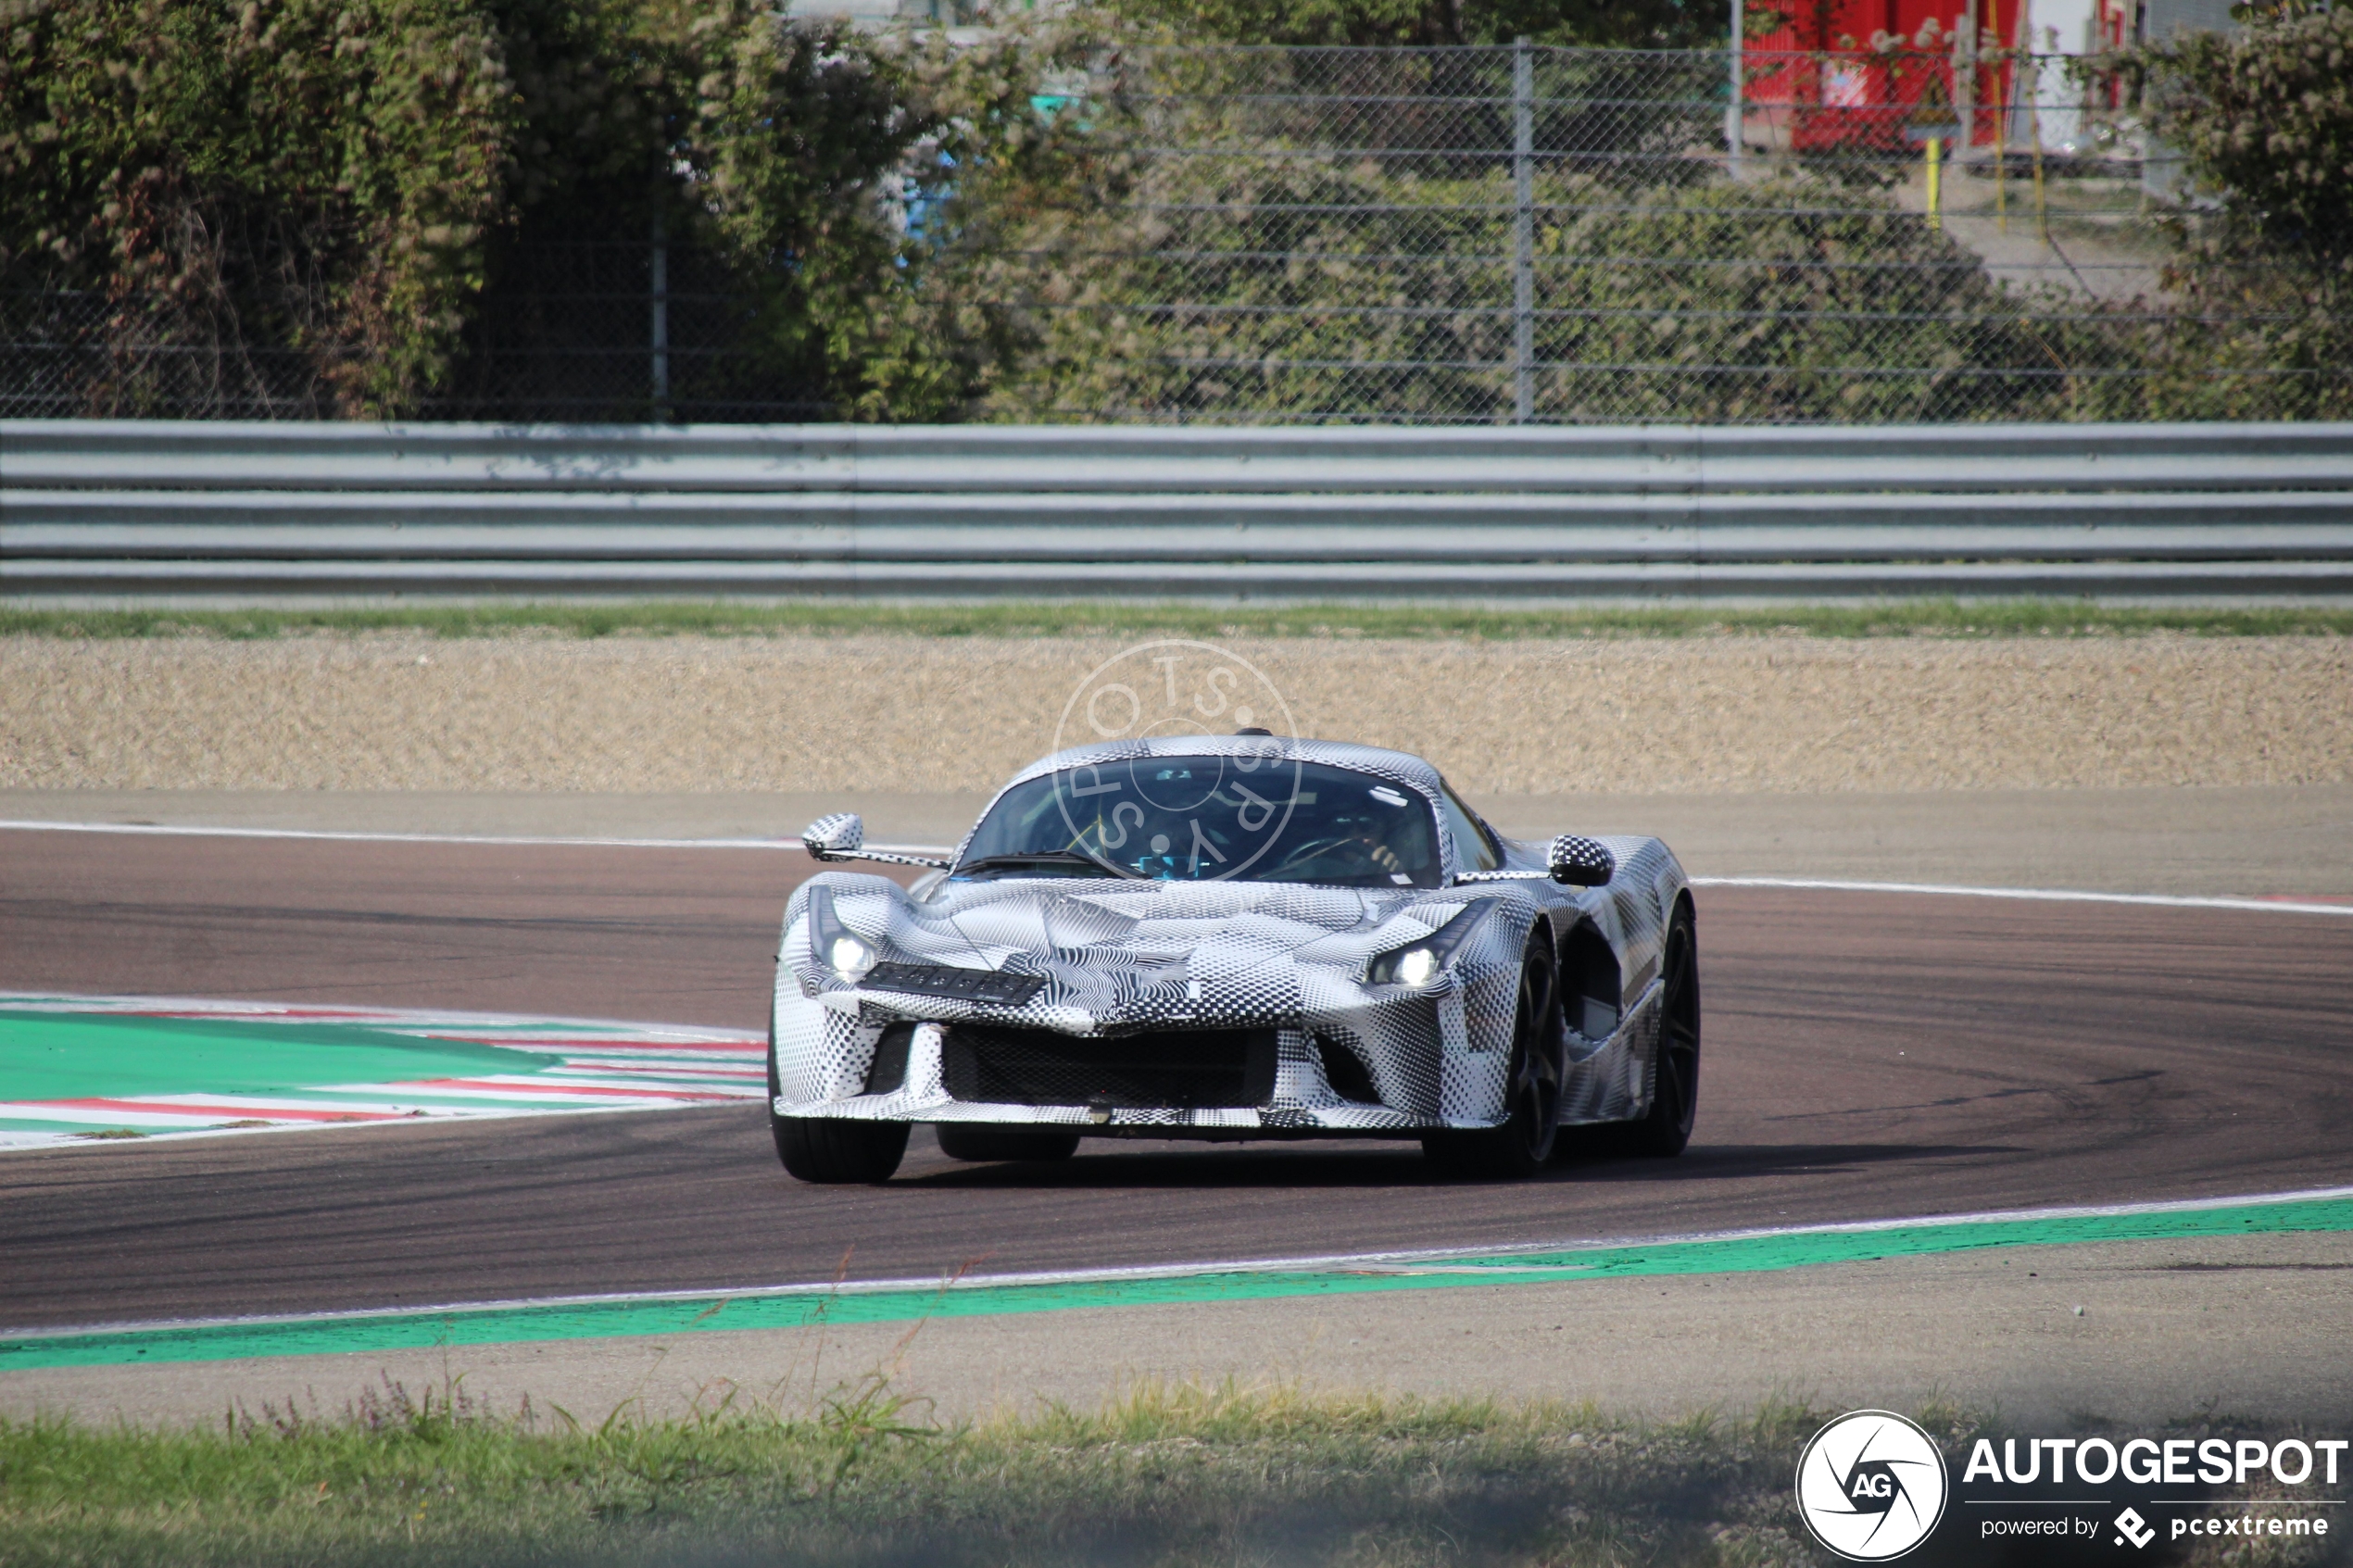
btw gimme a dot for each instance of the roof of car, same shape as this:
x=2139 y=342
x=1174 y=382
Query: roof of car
x=1401 y=766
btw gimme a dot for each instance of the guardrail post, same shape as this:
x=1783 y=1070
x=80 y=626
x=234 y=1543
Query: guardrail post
x=1523 y=233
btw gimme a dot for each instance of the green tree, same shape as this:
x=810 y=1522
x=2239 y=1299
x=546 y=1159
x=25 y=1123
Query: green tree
x=1620 y=24
x=769 y=152
x=2264 y=117
x=324 y=206
x=313 y=172
x=2262 y=279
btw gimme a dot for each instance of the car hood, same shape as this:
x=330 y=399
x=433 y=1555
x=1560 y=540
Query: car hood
x=1121 y=955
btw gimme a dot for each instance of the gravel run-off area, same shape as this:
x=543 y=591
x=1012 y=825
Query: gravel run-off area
x=396 y=711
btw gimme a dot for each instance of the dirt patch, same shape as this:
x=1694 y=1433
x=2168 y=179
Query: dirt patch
x=925 y=714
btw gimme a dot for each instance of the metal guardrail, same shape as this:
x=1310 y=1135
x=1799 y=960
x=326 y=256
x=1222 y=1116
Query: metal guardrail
x=136 y=507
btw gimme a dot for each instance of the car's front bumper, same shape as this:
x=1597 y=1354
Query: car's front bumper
x=1302 y=1100
x=1424 y=1066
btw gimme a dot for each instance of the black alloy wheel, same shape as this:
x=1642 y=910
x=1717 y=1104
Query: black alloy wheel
x=823 y=1151
x=1522 y=1144
x=964 y=1140
x=1675 y=1073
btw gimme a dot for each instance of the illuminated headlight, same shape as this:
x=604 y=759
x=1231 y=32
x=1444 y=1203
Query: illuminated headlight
x=1420 y=961
x=833 y=945
x=1412 y=967
x=850 y=958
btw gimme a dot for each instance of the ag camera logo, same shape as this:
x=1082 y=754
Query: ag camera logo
x=1872 y=1485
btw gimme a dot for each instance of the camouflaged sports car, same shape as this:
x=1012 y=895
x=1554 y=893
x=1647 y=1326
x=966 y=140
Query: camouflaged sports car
x=1234 y=938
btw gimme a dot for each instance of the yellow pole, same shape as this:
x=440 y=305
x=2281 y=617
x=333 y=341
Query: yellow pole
x=1935 y=190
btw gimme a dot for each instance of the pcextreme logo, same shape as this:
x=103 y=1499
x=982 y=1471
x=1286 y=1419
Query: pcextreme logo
x=1872 y=1485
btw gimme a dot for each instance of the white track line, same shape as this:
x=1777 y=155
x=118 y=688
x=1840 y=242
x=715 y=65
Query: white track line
x=169 y=831
x=2047 y=895
x=1252 y=1265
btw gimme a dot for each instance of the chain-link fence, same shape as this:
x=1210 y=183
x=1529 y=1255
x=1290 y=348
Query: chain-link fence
x=1532 y=234
x=573 y=331
x=616 y=329
x=1466 y=235
x=66 y=354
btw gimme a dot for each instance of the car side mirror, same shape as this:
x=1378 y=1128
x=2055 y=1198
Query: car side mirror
x=838 y=838
x=843 y=836
x=1582 y=862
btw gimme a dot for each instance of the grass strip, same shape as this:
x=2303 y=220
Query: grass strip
x=1162 y=1476
x=376 y=1332
x=1913 y=618
x=1174 y=1475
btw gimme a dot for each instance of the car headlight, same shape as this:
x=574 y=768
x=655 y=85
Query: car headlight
x=833 y=944
x=1407 y=966
x=850 y=958
x=1417 y=962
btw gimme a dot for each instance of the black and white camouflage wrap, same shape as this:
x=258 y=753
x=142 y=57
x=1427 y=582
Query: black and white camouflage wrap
x=1119 y=957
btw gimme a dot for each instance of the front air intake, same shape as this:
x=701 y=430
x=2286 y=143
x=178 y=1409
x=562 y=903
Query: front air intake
x=1187 y=1070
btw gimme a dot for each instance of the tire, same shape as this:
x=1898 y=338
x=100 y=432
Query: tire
x=827 y=1152
x=962 y=1140
x=1522 y=1144
x=1663 y=1134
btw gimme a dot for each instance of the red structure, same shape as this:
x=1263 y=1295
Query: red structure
x=1855 y=74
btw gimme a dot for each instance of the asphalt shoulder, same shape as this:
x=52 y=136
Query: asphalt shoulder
x=2244 y=841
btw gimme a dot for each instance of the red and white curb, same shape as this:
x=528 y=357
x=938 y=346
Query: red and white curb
x=583 y=1065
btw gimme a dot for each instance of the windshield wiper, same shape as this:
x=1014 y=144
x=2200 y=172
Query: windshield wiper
x=1032 y=857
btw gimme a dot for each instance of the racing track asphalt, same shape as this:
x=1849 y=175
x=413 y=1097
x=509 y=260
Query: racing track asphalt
x=1868 y=1055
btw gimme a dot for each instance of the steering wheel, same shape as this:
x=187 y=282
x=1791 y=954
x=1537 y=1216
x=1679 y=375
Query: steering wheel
x=1310 y=850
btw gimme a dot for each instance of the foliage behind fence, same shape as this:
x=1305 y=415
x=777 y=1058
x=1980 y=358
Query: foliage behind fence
x=1558 y=235
x=1086 y=230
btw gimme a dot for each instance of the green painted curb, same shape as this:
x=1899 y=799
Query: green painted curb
x=72 y=1056
x=756 y=1310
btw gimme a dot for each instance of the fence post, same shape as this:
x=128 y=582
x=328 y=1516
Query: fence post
x=659 y=301
x=1965 y=80
x=1523 y=232
x=1732 y=109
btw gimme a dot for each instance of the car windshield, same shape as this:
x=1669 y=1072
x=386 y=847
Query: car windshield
x=1252 y=818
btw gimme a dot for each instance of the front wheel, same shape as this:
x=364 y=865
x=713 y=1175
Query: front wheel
x=1522 y=1144
x=823 y=1151
x=1675 y=1073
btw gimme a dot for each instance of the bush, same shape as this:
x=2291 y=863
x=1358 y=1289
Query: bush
x=2263 y=121
x=312 y=172
x=333 y=204
x=348 y=207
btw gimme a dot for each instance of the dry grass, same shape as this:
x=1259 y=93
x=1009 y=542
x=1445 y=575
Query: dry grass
x=1161 y=1477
